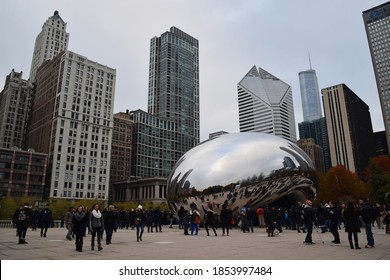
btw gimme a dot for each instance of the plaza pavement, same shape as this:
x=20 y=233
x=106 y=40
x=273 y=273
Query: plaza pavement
x=172 y=244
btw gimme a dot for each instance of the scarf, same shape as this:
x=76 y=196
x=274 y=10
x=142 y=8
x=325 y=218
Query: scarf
x=79 y=215
x=96 y=214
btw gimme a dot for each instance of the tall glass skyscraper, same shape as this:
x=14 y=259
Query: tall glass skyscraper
x=377 y=24
x=310 y=95
x=174 y=84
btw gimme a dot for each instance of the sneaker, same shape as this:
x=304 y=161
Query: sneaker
x=368 y=246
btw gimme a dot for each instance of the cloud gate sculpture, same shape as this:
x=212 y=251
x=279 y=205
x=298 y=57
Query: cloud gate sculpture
x=241 y=170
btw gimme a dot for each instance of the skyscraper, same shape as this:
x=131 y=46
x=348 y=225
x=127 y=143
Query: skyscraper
x=349 y=127
x=316 y=130
x=15 y=108
x=72 y=122
x=377 y=25
x=265 y=104
x=49 y=43
x=121 y=147
x=174 y=84
x=310 y=95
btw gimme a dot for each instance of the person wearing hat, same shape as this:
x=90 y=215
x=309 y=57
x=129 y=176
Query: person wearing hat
x=308 y=218
x=139 y=222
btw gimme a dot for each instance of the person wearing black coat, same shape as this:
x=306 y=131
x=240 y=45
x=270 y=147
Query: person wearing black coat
x=351 y=217
x=22 y=219
x=270 y=220
x=308 y=219
x=209 y=221
x=110 y=222
x=226 y=219
x=334 y=215
x=79 y=222
x=368 y=217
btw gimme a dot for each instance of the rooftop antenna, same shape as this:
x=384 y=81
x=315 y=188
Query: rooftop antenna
x=310 y=61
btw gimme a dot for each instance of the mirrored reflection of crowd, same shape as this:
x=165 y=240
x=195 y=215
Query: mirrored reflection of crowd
x=308 y=217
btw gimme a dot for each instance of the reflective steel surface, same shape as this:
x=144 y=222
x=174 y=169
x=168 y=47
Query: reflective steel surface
x=241 y=170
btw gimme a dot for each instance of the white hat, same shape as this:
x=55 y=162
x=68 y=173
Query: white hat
x=139 y=207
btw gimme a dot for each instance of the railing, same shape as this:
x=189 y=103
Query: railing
x=9 y=224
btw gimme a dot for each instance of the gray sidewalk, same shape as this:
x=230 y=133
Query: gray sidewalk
x=172 y=244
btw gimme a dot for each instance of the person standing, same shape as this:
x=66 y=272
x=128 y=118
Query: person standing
x=352 y=224
x=334 y=215
x=158 y=216
x=308 y=219
x=69 y=222
x=186 y=221
x=260 y=214
x=139 y=222
x=226 y=219
x=110 y=222
x=46 y=219
x=180 y=213
x=194 y=219
x=79 y=222
x=149 y=219
x=22 y=219
x=368 y=217
x=96 y=225
x=270 y=220
x=34 y=218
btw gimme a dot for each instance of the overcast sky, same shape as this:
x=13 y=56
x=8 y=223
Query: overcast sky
x=235 y=35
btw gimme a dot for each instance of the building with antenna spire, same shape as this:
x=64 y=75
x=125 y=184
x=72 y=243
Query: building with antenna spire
x=313 y=125
x=310 y=94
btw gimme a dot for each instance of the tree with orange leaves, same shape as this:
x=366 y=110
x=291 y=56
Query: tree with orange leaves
x=340 y=185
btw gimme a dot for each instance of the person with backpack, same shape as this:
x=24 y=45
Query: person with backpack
x=21 y=219
x=194 y=219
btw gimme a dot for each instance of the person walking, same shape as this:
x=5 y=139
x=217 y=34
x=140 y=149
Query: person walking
x=209 y=220
x=352 y=224
x=139 y=222
x=226 y=219
x=96 y=225
x=79 y=222
x=69 y=222
x=110 y=222
x=22 y=219
x=308 y=219
x=46 y=219
x=368 y=217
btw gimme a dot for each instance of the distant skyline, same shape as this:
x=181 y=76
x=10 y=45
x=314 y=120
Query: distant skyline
x=233 y=36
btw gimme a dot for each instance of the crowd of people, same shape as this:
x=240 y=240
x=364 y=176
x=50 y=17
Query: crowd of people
x=302 y=217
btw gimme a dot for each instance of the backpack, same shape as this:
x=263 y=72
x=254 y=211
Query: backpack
x=22 y=216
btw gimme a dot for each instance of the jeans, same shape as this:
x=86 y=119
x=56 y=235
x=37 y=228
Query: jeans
x=193 y=227
x=370 y=237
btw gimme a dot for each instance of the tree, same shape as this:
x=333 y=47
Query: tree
x=8 y=207
x=340 y=185
x=377 y=176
